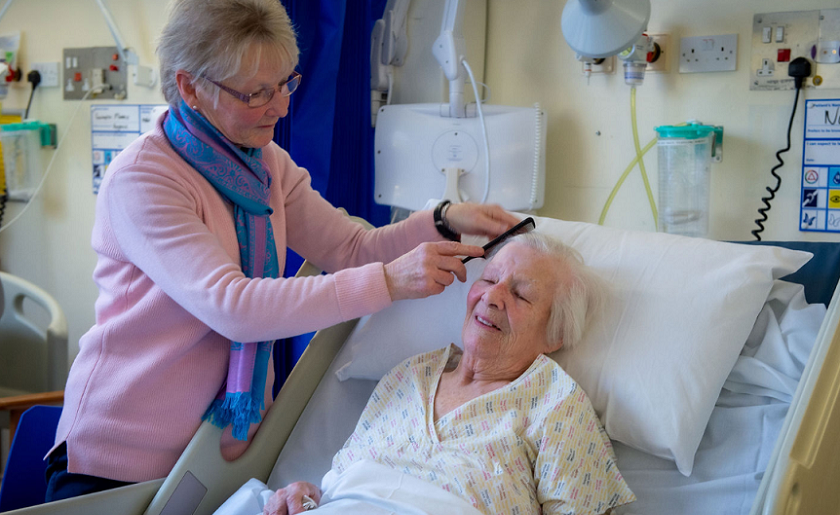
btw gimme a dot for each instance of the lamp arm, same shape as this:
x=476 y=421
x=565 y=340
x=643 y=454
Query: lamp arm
x=449 y=49
x=5 y=8
x=126 y=54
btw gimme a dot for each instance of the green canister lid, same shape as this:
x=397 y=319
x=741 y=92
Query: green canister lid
x=688 y=131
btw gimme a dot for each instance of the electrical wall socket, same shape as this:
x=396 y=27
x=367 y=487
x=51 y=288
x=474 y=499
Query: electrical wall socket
x=768 y=69
x=709 y=53
x=49 y=74
x=663 y=63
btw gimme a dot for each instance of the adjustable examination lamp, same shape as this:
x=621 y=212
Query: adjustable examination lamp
x=601 y=28
x=596 y=29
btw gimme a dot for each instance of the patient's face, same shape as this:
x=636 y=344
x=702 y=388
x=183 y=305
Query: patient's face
x=509 y=306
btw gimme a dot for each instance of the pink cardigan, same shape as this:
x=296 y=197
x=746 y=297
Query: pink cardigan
x=172 y=296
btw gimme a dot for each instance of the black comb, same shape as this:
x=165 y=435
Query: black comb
x=526 y=225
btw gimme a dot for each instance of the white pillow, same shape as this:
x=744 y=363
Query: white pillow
x=654 y=362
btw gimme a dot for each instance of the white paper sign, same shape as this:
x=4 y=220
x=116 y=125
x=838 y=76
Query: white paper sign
x=113 y=128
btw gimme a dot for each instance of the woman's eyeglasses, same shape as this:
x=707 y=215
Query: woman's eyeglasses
x=263 y=96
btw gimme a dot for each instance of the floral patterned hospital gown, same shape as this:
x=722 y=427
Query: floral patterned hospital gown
x=533 y=443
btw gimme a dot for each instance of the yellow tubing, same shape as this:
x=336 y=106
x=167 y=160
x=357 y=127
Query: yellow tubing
x=639 y=157
x=640 y=153
x=621 y=181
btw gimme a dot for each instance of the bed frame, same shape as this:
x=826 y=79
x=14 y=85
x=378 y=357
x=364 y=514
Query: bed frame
x=801 y=476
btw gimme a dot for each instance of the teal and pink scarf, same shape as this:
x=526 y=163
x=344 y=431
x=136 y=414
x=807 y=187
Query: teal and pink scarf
x=241 y=177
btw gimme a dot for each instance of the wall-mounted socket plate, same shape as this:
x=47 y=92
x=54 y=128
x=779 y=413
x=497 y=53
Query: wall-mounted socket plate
x=607 y=66
x=50 y=75
x=663 y=63
x=709 y=53
x=87 y=68
x=779 y=38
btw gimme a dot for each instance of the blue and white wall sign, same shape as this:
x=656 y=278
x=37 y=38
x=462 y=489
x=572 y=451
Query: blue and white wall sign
x=113 y=127
x=820 y=208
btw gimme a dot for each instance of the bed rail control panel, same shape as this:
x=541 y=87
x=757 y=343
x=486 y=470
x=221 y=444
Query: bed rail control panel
x=186 y=497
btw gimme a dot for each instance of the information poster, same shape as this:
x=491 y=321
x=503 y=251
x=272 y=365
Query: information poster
x=114 y=127
x=820 y=209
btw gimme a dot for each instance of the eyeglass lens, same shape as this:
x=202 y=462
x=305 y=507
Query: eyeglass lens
x=264 y=96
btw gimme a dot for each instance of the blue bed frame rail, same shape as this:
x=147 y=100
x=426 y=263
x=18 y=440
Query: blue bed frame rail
x=819 y=275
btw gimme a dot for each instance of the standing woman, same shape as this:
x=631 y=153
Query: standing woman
x=192 y=223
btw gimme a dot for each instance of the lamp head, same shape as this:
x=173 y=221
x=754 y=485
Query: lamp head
x=601 y=28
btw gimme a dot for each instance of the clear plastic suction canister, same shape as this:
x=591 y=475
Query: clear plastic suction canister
x=685 y=157
x=634 y=73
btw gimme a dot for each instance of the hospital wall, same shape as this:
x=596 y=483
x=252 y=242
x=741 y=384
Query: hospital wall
x=589 y=139
x=529 y=61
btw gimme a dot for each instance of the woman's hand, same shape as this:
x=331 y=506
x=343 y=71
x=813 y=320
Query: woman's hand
x=479 y=219
x=428 y=269
x=289 y=500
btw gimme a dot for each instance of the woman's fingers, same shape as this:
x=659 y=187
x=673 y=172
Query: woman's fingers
x=479 y=219
x=428 y=269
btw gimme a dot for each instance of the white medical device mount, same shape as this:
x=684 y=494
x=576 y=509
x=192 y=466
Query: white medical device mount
x=388 y=46
x=439 y=150
x=449 y=50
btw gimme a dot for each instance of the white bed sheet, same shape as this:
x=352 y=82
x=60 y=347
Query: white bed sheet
x=730 y=461
x=745 y=423
x=365 y=488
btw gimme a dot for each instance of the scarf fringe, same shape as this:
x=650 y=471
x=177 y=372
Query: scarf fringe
x=240 y=409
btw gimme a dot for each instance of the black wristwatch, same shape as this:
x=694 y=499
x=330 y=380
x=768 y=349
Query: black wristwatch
x=442 y=225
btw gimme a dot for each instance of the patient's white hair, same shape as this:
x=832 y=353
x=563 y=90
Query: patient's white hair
x=577 y=299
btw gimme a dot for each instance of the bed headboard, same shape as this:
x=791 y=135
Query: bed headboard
x=820 y=275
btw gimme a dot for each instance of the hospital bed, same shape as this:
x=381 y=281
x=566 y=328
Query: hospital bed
x=314 y=413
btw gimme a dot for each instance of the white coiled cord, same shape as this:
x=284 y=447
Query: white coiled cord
x=535 y=177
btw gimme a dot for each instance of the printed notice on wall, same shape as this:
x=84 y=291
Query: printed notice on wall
x=820 y=209
x=114 y=127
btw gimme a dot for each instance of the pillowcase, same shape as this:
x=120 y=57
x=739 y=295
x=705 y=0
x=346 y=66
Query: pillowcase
x=654 y=361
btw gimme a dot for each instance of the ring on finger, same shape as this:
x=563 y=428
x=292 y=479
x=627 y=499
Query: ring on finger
x=309 y=503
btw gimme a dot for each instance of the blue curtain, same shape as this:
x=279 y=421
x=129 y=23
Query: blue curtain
x=328 y=128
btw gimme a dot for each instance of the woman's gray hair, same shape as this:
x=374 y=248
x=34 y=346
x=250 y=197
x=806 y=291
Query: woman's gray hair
x=209 y=38
x=578 y=298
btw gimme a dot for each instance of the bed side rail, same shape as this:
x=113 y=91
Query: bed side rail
x=802 y=474
x=126 y=500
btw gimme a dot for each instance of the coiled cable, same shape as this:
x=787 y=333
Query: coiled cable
x=535 y=175
x=766 y=200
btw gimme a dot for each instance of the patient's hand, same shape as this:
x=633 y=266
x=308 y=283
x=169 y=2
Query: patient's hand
x=289 y=500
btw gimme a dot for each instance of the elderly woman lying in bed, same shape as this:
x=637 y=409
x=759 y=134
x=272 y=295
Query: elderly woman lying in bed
x=497 y=427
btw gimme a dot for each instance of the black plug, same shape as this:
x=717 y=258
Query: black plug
x=34 y=78
x=799 y=69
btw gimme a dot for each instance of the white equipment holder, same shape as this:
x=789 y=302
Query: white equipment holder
x=414 y=146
